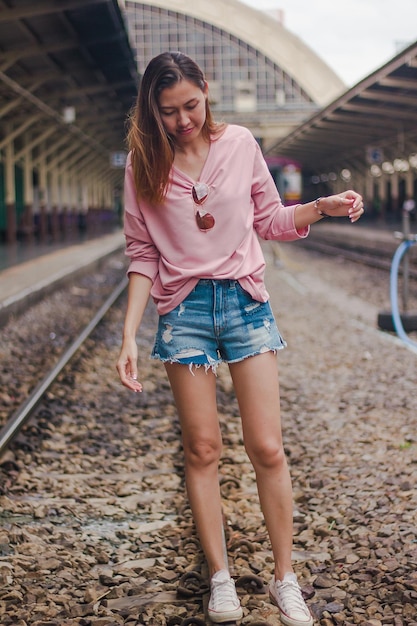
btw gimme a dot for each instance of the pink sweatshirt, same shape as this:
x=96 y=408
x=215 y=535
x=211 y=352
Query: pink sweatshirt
x=165 y=243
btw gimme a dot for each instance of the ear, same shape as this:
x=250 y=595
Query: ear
x=206 y=89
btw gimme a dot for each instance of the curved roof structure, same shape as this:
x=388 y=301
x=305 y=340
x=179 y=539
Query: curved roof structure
x=374 y=121
x=270 y=37
x=71 y=56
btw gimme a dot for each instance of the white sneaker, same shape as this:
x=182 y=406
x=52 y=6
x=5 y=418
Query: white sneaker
x=286 y=595
x=224 y=605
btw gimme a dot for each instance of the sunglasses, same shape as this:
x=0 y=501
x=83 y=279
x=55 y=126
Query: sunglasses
x=205 y=221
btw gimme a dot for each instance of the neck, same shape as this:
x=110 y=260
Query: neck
x=195 y=149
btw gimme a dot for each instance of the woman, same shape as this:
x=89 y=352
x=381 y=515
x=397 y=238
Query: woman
x=197 y=195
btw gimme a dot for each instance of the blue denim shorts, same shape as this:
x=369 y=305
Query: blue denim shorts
x=218 y=321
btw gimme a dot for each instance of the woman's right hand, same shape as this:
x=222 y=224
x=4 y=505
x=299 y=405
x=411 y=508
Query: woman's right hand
x=138 y=296
x=127 y=366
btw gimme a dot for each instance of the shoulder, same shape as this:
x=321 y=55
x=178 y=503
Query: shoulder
x=239 y=132
x=235 y=134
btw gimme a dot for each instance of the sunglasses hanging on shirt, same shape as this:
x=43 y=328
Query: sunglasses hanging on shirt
x=205 y=221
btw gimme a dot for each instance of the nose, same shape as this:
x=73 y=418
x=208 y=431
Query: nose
x=182 y=119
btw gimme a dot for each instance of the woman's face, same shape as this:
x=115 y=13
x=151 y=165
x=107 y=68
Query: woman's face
x=183 y=111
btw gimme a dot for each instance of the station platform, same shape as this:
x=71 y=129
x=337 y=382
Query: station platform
x=22 y=282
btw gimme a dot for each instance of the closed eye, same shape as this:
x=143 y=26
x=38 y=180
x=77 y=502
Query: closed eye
x=189 y=106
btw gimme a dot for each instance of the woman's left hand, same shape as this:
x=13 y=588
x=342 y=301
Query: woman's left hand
x=346 y=204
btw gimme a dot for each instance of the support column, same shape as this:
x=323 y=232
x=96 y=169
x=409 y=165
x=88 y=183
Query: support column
x=54 y=205
x=83 y=205
x=369 y=191
x=395 y=194
x=65 y=202
x=43 y=210
x=383 y=195
x=409 y=184
x=28 y=225
x=74 y=200
x=10 y=193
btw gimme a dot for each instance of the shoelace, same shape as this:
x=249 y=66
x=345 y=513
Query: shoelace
x=223 y=592
x=290 y=597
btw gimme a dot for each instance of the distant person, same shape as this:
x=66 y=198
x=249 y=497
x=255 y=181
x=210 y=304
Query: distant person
x=197 y=195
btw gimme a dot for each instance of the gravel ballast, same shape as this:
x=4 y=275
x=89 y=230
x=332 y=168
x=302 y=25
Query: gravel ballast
x=94 y=523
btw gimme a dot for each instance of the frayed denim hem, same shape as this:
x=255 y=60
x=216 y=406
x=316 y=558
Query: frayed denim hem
x=257 y=353
x=213 y=365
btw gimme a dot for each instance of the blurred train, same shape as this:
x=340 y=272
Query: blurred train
x=288 y=178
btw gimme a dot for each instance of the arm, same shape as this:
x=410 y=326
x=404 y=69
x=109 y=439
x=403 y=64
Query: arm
x=140 y=248
x=274 y=221
x=347 y=204
x=138 y=296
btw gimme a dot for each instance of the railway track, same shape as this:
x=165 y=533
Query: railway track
x=380 y=258
x=19 y=418
x=369 y=256
x=325 y=245
x=46 y=404
x=329 y=244
x=367 y=253
x=96 y=519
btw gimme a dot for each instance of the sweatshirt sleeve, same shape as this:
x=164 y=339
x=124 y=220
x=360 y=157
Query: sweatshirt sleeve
x=273 y=220
x=143 y=254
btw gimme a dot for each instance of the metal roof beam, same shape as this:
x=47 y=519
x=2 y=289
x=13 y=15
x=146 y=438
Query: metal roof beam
x=49 y=111
x=64 y=44
x=13 y=134
x=349 y=121
x=389 y=97
x=34 y=142
x=398 y=82
x=43 y=7
x=380 y=112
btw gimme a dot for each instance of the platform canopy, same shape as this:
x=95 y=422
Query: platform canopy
x=67 y=72
x=373 y=122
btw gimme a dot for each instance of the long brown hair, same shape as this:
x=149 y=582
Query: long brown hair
x=152 y=150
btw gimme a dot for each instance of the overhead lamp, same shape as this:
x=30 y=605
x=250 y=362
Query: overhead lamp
x=412 y=159
x=68 y=115
x=387 y=167
x=401 y=165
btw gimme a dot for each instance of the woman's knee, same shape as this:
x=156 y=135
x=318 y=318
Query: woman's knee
x=267 y=455
x=202 y=453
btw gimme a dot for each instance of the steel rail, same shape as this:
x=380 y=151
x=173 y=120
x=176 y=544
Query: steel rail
x=27 y=408
x=364 y=257
x=23 y=413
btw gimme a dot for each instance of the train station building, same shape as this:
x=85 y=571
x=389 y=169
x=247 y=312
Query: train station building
x=68 y=78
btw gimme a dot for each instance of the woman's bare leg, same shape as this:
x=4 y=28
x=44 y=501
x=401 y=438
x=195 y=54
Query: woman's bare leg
x=195 y=399
x=256 y=384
